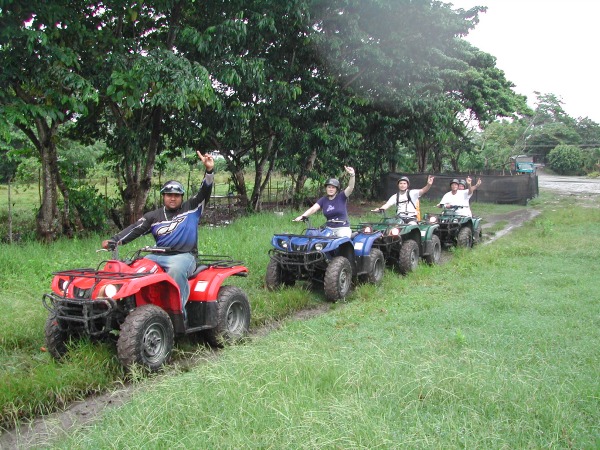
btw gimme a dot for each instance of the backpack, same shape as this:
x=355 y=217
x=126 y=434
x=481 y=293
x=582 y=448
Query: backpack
x=416 y=205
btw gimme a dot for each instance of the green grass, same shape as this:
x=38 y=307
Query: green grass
x=389 y=363
x=499 y=348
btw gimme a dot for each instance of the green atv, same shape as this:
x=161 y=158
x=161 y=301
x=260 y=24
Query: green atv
x=455 y=229
x=404 y=241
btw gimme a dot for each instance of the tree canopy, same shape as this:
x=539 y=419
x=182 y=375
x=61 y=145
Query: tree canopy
x=301 y=86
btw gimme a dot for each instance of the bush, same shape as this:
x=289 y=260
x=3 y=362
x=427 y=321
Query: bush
x=91 y=206
x=566 y=160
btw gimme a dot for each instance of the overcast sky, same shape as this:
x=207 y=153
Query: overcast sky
x=550 y=46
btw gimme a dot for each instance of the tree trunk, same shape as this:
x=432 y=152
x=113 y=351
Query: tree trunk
x=259 y=183
x=138 y=174
x=303 y=176
x=422 y=150
x=47 y=220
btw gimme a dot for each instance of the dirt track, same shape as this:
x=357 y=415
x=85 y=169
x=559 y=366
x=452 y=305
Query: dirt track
x=44 y=430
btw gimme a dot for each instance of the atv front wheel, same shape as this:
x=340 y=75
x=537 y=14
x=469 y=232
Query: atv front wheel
x=376 y=267
x=277 y=276
x=56 y=339
x=464 y=238
x=233 y=317
x=436 y=251
x=409 y=256
x=338 y=279
x=146 y=338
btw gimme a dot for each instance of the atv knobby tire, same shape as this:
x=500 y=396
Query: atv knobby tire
x=376 y=267
x=409 y=256
x=276 y=276
x=436 y=251
x=146 y=338
x=464 y=238
x=233 y=317
x=338 y=279
x=56 y=339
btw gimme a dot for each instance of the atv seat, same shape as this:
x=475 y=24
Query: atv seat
x=199 y=269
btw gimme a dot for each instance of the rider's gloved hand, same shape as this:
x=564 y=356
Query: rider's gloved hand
x=109 y=244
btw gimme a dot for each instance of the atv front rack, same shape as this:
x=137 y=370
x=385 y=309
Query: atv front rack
x=99 y=275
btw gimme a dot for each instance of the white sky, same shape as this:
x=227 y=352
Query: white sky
x=549 y=46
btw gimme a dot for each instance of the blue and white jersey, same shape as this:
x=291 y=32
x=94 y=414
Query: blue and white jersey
x=176 y=229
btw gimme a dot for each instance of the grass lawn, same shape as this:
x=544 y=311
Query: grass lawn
x=497 y=348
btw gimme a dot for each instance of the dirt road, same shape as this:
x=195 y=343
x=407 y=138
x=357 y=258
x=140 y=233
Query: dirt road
x=568 y=185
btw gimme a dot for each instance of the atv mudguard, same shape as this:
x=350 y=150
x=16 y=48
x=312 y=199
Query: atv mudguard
x=363 y=242
x=205 y=286
x=427 y=232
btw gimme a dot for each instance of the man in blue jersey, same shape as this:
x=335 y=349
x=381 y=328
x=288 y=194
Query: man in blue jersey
x=174 y=225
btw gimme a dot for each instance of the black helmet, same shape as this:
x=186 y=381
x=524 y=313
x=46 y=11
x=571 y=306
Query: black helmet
x=403 y=179
x=172 y=187
x=333 y=182
x=463 y=182
x=454 y=180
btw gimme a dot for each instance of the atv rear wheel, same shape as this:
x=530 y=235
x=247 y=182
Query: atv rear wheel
x=233 y=317
x=436 y=251
x=376 y=267
x=409 y=256
x=338 y=279
x=146 y=338
x=56 y=339
x=276 y=276
x=464 y=238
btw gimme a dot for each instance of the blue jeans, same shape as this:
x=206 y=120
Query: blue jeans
x=179 y=267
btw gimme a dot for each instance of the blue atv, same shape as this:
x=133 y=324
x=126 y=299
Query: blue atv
x=324 y=259
x=456 y=229
x=404 y=241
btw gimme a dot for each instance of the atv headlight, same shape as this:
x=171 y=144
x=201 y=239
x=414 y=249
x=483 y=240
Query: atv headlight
x=283 y=243
x=110 y=290
x=433 y=219
x=394 y=232
x=368 y=230
x=63 y=285
x=319 y=246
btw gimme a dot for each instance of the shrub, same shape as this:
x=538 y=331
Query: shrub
x=566 y=160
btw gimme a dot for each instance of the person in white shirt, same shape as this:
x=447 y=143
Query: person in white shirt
x=460 y=197
x=406 y=200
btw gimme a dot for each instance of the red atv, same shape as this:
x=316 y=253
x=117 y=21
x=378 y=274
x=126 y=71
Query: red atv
x=135 y=300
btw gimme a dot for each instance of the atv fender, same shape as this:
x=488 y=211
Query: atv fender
x=205 y=287
x=158 y=289
x=363 y=242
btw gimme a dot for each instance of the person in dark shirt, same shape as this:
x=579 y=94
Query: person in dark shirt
x=175 y=226
x=334 y=206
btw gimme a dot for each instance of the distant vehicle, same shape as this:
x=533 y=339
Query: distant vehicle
x=522 y=164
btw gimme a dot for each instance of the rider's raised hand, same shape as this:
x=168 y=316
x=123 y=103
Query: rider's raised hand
x=207 y=160
x=430 y=179
x=350 y=170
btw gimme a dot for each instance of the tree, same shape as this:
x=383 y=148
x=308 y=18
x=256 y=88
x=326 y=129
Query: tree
x=146 y=88
x=550 y=126
x=41 y=90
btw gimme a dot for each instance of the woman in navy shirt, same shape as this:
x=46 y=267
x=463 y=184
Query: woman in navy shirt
x=333 y=205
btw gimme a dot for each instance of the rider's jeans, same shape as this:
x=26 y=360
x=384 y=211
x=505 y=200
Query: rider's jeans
x=179 y=267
